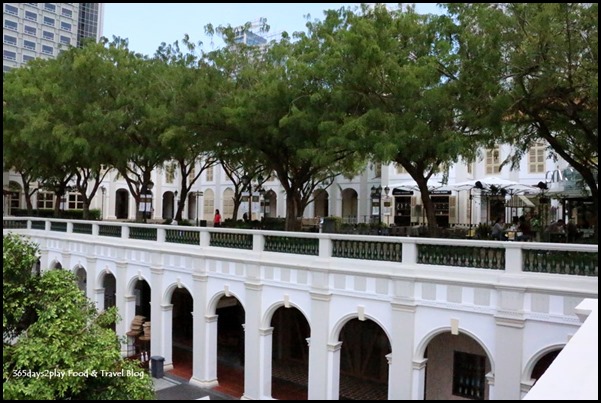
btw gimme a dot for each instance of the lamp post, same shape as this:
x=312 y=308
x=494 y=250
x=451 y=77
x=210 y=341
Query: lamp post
x=174 y=209
x=198 y=193
x=147 y=187
x=261 y=191
x=103 y=190
x=387 y=204
x=246 y=181
x=376 y=200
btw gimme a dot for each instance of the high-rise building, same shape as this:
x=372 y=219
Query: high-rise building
x=33 y=30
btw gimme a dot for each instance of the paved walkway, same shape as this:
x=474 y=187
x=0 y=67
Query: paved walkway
x=171 y=387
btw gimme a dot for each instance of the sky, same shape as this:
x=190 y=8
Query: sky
x=147 y=25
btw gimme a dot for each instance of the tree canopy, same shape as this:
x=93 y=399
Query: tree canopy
x=56 y=345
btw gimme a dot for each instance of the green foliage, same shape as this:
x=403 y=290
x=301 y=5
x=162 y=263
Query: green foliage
x=67 y=350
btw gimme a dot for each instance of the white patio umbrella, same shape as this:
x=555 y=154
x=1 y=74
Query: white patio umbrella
x=493 y=183
x=411 y=185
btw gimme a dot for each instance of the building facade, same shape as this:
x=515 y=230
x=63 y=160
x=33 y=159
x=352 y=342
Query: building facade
x=33 y=30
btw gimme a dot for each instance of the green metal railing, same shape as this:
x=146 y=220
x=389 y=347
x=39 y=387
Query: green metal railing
x=58 y=226
x=386 y=251
x=229 y=240
x=144 y=233
x=79 y=228
x=182 y=237
x=287 y=244
x=14 y=224
x=561 y=262
x=109 y=230
x=462 y=256
x=38 y=225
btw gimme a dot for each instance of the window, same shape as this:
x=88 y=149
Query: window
x=378 y=170
x=493 y=162
x=228 y=203
x=170 y=173
x=31 y=16
x=209 y=174
x=30 y=30
x=48 y=35
x=27 y=58
x=50 y=7
x=8 y=24
x=28 y=44
x=65 y=26
x=536 y=159
x=468 y=375
x=470 y=168
x=8 y=9
x=49 y=50
x=45 y=200
x=8 y=55
x=66 y=12
x=66 y=40
x=15 y=200
x=75 y=201
x=49 y=21
x=399 y=168
x=10 y=40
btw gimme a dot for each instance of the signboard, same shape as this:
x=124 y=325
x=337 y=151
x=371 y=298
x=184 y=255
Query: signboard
x=375 y=210
x=401 y=192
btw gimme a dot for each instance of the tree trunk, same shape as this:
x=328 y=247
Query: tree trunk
x=86 y=210
x=292 y=223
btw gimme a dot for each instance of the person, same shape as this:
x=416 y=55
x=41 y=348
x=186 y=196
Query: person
x=497 y=229
x=524 y=229
x=217 y=219
x=558 y=227
x=245 y=217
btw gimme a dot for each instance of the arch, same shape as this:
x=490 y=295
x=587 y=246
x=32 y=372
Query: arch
x=536 y=357
x=350 y=205
x=321 y=203
x=100 y=277
x=180 y=320
x=122 y=204
x=131 y=283
x=214 y=300
x=168 y=205
x=82 y=277
x=337 y=328
x=55 y=264
x=270 y=207
x=168 y=294
x=268 y=315
x=420 y=351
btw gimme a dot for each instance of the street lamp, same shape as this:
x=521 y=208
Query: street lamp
x=174 y=209
x=376 y=199
x=246 y=181
x=145 y=189
x=103 y=190
x=198 y=193
x=261 y=191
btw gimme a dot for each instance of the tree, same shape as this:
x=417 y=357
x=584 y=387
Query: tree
x=400 y=68
x=530 y=73
x=56 y=344
x=281 y=111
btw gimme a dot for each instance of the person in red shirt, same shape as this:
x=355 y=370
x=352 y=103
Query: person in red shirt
x=217 y=219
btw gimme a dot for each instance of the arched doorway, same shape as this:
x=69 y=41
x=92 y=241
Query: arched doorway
x=349 y=206
x=230 y=346
x=363 y=362
x=109 y=283
x=81 y=276
x=181 y=332
x=270 y=204
x=122 y=204
x=290 y=355
x=543 y=363
x=14 y=194
x=321 y=203
x=456 y=368
x=168 y=205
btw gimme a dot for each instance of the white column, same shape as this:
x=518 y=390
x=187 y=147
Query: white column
x=265 y=351
x=91 y=275
x=252 y=345
x=333 y=375
x=156 y=316
x=98 y=298
x=418 y=383
x=167 y=335
x=509 y=332
x=121 y=327
x=318 y=345
x=400 y=374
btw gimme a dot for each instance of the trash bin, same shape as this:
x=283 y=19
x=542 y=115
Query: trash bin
x=156 y=366
x=203 y=223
